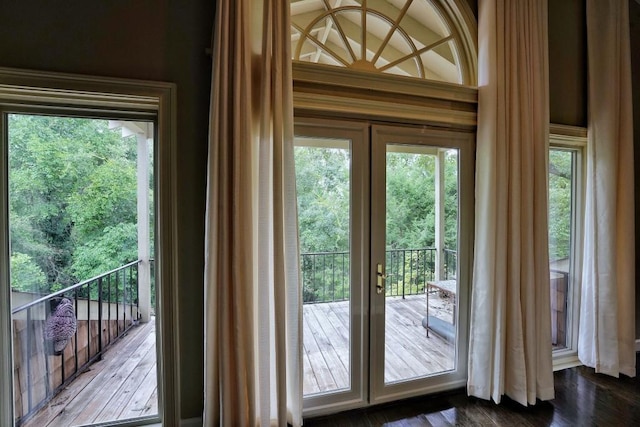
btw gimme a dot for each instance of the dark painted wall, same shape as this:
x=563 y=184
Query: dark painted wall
x=142 y=39
x=568 y=62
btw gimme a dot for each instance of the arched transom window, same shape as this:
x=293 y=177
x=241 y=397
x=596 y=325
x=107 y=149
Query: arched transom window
x=417 y=38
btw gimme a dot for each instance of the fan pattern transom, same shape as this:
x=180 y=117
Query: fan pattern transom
x=403 y=37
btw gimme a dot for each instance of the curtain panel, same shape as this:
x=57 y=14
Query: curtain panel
x=606 y=339
x=253 y=306
x=510 y=343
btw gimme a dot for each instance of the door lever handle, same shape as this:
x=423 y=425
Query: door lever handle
x=381 y=277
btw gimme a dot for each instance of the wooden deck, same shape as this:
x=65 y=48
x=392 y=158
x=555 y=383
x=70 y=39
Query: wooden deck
x=122 y=385
x=408 y=351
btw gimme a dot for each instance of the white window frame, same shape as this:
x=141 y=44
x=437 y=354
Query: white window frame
x=574 y=139
x=89 y=96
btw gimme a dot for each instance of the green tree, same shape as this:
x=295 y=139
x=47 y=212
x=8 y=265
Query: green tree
x=560 y=200
x=72 y=197
x=322 y=180
x=108 y=197
x=26 y=275
x=116 y=246
x=410 y=201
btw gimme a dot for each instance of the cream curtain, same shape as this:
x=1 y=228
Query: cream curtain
x=606 y=339
x=253 y=308
x=510 y=344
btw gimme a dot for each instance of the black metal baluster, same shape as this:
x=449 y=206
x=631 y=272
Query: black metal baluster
x=333 y=277
x=404 y=264
x=29 y=392
x=346 y=288
x=109 y=307
x=131 y=290
x=100 y=316
x=124 y=300
x=75 y=297
x=117 y=309
x=88 y=321
x=323 y=272
x=446 y=264
x=151 y=280
x=46 y=360
x=411 y=270
x=313 y=273
x=396 y=257
x=424 y=270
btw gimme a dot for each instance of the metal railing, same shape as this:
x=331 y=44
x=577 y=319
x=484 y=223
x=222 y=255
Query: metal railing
x=450 y=264
x=408 y=271
x=326 y=275
x=111 y=297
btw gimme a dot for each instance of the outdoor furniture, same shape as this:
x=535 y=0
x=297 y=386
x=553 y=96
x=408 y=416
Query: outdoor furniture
x=441 y=327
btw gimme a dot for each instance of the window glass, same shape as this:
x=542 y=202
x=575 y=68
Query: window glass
x=562 y=186
x=82 y=289
x=404 y=37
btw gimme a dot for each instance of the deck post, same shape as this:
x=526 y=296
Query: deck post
x=440 y=222
x=144 y=248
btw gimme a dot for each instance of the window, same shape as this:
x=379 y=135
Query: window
x=370 y=282
x=89 y=167
x=420 y=38
x=566 y=189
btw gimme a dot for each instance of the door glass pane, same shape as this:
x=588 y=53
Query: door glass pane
x=82 y=293
x=562 y=164
x=421 y=257
x=323 y=168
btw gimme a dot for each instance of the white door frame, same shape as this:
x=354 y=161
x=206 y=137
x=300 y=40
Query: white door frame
x=464 y=142
x=97 y=96
x=358 y=134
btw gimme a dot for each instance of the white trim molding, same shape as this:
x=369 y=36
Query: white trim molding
x=6 y=347
x=331 y=91
x=57 y=93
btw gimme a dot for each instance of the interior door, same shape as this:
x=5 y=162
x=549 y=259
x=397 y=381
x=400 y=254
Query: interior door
x=421 y=228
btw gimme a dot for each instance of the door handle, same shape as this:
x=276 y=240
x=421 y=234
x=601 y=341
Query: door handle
x=381 y=277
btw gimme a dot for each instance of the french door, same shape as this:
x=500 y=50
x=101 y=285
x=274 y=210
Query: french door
x=385 y=226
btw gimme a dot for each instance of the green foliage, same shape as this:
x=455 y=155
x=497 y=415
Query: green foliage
x=451 y=202
x=560 y=199
x=115 y=246
x=107 y=198
x=322 y=176
x=26 y=275
x=322 y=179
x=72 y=199
x=410 y=201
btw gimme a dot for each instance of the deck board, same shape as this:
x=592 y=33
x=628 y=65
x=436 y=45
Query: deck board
x=128 y=388
x=126 y=374
x=331 y=347
x=123 y=385
x=408 y=351
x=108 y=385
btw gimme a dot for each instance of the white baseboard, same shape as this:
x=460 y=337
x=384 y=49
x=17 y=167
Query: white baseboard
x=637 y=345
x=191 y=422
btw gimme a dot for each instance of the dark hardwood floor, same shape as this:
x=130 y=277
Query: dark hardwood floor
x=583 y=398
